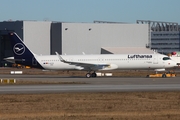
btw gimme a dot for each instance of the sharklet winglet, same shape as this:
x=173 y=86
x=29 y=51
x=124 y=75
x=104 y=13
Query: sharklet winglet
x=60 y=58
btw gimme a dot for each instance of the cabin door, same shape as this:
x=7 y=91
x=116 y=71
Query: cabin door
x=71 y=59
x=155 y=59
x=101 y=60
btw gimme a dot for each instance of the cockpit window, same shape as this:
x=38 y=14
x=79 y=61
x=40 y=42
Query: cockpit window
x=166 y=58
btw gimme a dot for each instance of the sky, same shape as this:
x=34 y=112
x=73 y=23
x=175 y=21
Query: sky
x=90 y=10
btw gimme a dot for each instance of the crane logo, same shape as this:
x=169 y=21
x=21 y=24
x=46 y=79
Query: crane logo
x=19 y=49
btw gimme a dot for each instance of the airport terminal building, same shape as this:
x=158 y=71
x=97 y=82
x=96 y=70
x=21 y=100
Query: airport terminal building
x=46 y=37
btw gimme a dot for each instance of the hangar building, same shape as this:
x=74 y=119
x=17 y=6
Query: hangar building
x=165 y=36
x=46 y=37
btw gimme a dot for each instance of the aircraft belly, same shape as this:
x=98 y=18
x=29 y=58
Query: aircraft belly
x=58 y=66
x=138 y=65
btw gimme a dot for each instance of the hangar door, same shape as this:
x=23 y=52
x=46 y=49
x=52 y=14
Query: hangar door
x=5 y=48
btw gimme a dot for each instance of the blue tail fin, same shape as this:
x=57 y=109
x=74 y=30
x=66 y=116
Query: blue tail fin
x=22 y=54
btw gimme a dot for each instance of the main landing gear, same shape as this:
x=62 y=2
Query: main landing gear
x=88 y=75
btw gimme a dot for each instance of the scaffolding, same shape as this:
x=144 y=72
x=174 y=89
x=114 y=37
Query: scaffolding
x=163 y=36
x=160 y=26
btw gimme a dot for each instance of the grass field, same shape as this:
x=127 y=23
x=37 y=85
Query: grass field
x=91 y=106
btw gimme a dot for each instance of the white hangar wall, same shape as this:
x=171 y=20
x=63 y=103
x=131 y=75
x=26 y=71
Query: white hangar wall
x=46 y=37
x=37 y=35
x=91 y=37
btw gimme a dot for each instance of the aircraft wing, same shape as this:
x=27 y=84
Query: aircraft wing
x=86 y=66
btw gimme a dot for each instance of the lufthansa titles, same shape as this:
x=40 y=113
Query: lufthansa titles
x=139 y=56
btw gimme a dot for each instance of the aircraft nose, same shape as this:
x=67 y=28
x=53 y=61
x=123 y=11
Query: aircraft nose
x=173 y=64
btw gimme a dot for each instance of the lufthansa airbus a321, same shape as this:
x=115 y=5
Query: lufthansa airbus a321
x=89 y=63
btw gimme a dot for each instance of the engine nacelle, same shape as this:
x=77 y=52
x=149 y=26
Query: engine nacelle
x=110 y=67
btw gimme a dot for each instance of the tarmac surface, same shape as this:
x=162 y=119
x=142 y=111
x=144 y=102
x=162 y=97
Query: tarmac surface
x=99 y=84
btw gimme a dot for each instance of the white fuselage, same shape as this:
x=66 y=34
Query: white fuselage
x=115 y=62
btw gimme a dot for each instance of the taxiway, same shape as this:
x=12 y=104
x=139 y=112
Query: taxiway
x=99 y=84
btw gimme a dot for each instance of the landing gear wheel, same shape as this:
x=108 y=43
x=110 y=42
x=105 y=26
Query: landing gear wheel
x=88 y=75
x=94 y=74
x=164 y=75
x=147 y=76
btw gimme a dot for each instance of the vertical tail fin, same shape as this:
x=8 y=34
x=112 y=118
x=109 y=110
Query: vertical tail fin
x=22 y=54
x=19 y=48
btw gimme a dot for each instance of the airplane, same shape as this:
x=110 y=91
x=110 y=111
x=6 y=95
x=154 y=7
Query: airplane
x=90 y=63
x=175 y=56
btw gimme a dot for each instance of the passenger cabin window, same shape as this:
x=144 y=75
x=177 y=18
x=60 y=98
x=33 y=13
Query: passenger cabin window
x=166 y=58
